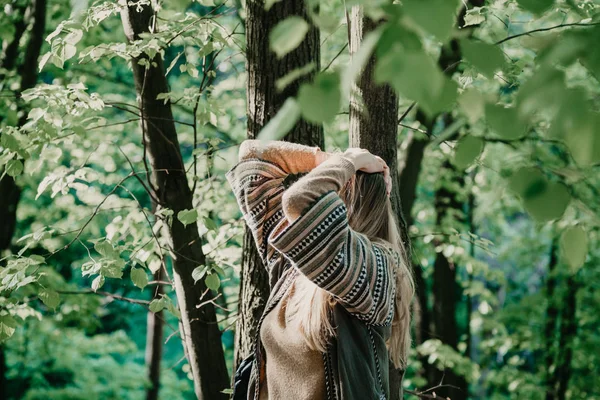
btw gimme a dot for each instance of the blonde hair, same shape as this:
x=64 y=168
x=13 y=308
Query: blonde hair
x=370 y=213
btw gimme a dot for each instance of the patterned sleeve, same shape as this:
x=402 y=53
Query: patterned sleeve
x=317 y=239
x=257 y=183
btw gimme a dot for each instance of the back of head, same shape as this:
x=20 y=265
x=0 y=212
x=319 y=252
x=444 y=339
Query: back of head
x=370 y=212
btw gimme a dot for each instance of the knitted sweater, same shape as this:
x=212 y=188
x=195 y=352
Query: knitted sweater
x=306 y=227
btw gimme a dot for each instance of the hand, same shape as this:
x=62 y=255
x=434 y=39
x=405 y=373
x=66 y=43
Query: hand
x=365 y=161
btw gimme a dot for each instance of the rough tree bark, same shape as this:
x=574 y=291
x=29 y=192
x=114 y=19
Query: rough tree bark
x=264 y=68
x=375 y=128
x=200 y=332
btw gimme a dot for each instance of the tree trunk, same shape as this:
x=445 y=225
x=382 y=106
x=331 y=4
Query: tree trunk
x=28 y=72
x=200 y=331
x=444 y=284
x=407 y=183
x=375 y=128
x=10 y=192
x=154 y=341
x=446 y=295
x=568 y=332
x=550 y=326
x=264 y=101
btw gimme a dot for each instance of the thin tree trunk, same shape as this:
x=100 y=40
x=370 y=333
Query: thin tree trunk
x=264 y=101
x=407 y=183
x=11 y=49
x=3 y=371
x=375 y=128
x=200 y=331
x=446 y=295
x=568 y=332
x=444 y=276
x=469 y=299
x=154 y=341
x=28 y=72
x=10 y=193
x=550 y=327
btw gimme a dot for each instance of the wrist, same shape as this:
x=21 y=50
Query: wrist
x=321 y=156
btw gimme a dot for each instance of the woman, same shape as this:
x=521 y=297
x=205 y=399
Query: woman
x=340 y=286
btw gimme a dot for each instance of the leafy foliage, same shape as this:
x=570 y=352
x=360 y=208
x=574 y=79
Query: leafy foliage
x=516 y=114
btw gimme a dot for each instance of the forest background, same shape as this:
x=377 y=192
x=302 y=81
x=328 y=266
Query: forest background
x=126 y=270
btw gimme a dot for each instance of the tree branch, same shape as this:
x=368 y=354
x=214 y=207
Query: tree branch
x=559 y=26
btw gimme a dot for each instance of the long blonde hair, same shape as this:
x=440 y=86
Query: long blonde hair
x=370 y=213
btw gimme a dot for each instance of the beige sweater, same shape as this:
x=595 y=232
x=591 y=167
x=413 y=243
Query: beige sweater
x=307 y=225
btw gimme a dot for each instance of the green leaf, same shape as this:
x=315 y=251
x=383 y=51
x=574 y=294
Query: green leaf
x=7 y=326
x=297 y=73
x=106 y=249
x=187 y=217
x=434 y=16
x=49 y=297
x=415 y=75
x=472 y=104
x=574 y=246
x=157 y=305
x=487 y=58
x=542 y=94
x=139 y=277
x=210 y=224
x=212 y=281
x=550 y=204
x=467 y=150
x=536 y=6
x=14 y=168
x=474 y=16
x=282 y=122
x=577 y=125
x=97 y=283
x=287 y=35
x=543 y=200
x=321 y=100
x=199 y=272
x=218 y=270
x=504 y=122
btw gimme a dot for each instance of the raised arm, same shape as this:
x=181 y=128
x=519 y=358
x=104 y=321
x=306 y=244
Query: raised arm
x=257 y=182
x=316 y=237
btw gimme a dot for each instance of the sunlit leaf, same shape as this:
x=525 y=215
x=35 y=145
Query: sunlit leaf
x=14 y=168
x=49 y=297
x=282 y=122
x=139 y=277
x=187 y=217
x=320 y=101
x=199 y=272
x=212 y=281
x=287 y=35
